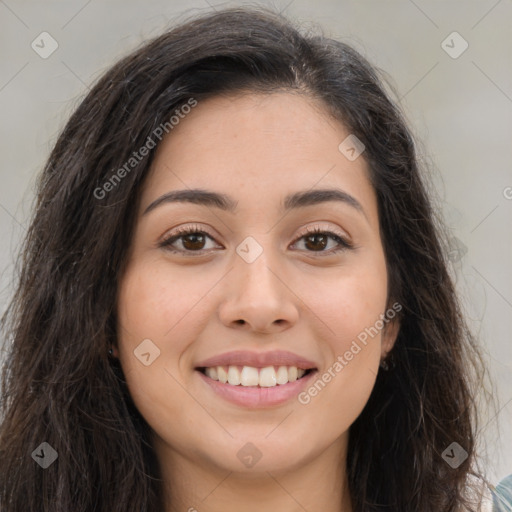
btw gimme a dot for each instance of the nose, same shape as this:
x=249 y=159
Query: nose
x=258 y=297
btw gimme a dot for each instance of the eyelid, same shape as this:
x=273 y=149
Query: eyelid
x=183 y=230
x=171 y=237
x=317 y=228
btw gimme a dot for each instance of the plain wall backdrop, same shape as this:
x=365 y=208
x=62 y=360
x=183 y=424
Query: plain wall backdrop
x=450 y=63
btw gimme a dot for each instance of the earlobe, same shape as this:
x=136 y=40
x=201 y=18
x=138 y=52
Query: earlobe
x=112 y=352
x=389 y=336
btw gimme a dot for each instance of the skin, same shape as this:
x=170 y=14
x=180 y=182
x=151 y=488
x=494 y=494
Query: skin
x=294 y=296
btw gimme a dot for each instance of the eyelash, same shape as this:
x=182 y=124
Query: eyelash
x=343 y=244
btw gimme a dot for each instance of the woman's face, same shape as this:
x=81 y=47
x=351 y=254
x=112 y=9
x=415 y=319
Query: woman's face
x=251 y=282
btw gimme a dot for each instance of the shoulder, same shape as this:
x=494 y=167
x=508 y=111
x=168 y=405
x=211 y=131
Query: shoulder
x=502 y=496
x=490 y=498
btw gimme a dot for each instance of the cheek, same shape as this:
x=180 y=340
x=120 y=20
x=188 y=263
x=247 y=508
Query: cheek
x=350 y=309
x=350 y=303
x=157 y=304
x=154 y=311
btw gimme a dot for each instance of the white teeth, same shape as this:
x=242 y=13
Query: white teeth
x=233 y=376
x=222 y=375
x=212 y=373
x=267 y=377
x=282 y=375
x=249 y=376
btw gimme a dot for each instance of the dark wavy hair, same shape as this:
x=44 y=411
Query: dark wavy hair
x=60 y=386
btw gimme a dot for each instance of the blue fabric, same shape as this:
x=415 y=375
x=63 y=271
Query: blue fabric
x=502 y=496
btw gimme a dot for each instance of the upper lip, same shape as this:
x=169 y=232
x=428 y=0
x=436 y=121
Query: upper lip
x=257 y=359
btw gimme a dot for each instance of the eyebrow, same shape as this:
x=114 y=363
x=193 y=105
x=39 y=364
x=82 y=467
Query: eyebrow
x=226 y=203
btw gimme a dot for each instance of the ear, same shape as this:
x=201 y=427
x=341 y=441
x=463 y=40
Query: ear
x=114 y=352
x=389 y=336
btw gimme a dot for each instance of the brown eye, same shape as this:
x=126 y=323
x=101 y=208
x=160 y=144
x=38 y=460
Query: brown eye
x=316 y=240
x=192 y=241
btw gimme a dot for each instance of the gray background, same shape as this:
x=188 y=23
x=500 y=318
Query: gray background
x=460 y=110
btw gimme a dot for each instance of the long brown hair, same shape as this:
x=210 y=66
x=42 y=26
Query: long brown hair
x=59 y=385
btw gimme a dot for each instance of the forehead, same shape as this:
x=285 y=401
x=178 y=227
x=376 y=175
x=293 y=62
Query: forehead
x=250 y=121
x=257 y=148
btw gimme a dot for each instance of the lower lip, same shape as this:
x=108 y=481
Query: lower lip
x=256 y=397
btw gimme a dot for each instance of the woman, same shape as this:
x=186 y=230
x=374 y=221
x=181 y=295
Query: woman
x=233 y=293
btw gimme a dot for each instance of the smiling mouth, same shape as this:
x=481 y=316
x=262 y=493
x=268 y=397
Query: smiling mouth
x=249 y=376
